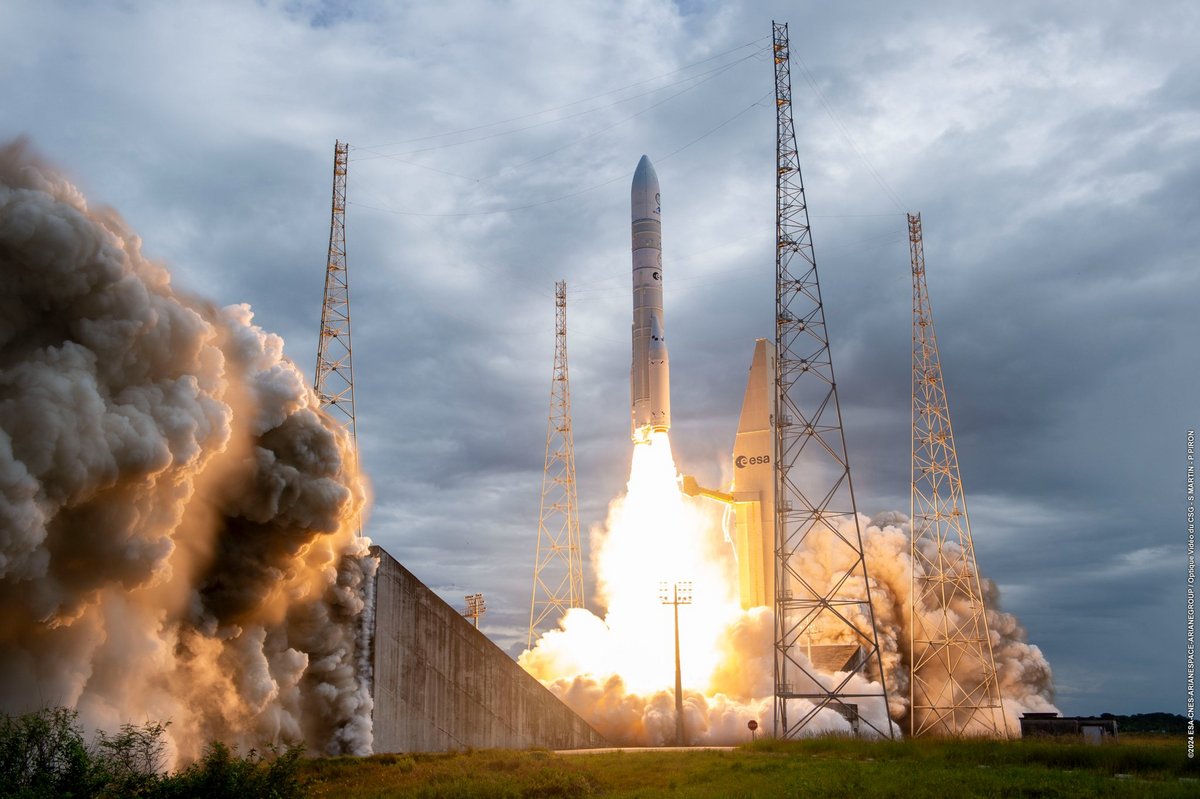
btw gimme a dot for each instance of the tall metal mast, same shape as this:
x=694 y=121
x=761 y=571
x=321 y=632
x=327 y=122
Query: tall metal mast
x=954 y=690
x=557 y=568
x=825 y=640
x=334 y=380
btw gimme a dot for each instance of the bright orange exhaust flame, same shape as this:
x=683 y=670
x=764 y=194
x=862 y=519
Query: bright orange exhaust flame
x=619 y=672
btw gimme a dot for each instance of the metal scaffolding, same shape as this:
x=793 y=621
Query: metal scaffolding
x=826 y=649
x=558 y=566
x=954 y=690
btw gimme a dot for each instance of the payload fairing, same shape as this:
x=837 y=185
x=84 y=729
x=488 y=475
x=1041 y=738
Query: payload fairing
x=649 y=374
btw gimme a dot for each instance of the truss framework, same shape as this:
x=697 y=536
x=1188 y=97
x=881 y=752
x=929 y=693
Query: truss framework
x=815 y=495
x=334 y=380
x=954 y=689
x=558 y=567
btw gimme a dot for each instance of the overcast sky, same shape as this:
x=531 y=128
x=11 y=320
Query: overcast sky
x=1053 y=151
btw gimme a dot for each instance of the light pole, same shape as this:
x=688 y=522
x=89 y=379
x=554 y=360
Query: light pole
x=676 y=594
x=475 y=608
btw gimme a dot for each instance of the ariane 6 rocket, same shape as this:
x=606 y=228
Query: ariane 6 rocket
x=649 y=375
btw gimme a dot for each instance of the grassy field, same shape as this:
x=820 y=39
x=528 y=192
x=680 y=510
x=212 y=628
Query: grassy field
x=828 y=767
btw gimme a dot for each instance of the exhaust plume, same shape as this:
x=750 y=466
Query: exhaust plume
x=177 y=518
x=617 y=671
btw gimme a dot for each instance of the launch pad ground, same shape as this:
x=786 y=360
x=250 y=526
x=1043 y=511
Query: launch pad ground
x=1137 y=766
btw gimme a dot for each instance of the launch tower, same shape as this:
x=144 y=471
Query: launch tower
x=826 y=648
x=954 y=690
x=557 y=567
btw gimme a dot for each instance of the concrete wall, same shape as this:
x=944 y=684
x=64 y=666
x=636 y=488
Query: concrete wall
x=440 y=684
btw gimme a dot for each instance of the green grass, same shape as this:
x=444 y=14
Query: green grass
x=824 y=767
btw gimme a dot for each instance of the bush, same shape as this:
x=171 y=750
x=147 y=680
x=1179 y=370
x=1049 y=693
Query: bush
x=130 y=763
x=221 y=774
x=43 y=754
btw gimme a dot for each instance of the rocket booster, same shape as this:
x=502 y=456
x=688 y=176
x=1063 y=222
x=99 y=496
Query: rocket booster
x=649 y=376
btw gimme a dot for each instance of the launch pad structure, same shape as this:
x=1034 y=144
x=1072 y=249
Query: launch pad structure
x=778 y=502
x=792 y=492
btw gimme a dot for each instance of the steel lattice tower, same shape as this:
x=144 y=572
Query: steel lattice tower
x=334 y=380
x=557 y=568
x=954 y=690
x=830 y=613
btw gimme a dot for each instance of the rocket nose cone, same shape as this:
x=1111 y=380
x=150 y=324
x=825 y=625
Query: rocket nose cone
x=645 y=200
x=644 y=175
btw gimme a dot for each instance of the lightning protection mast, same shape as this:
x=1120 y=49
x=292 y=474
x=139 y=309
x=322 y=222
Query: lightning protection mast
x=334 y=381
x=333 y=384
x=826 y=648
x=954 y=690
x=557 y=567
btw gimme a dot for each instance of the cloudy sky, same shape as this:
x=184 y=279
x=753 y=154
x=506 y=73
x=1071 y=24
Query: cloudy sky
x=1052 y=150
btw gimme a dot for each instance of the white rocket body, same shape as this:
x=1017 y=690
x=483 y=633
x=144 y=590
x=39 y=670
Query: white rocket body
x=649 y=376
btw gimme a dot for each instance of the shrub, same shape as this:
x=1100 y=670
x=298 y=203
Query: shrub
x=221 y=774
x=43 y=754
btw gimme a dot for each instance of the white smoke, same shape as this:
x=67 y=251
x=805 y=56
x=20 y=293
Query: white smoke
x=177 y=519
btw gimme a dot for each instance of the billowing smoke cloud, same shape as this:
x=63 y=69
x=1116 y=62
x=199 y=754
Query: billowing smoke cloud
x=1023 y=673
x=177 y=519
x=600 y=667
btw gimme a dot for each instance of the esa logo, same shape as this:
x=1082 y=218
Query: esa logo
x=741 y=461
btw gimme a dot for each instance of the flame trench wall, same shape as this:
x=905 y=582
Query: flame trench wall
x=440 y=684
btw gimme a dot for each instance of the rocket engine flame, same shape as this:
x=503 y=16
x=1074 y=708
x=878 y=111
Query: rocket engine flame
x=618 y=671
x=177 y=536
